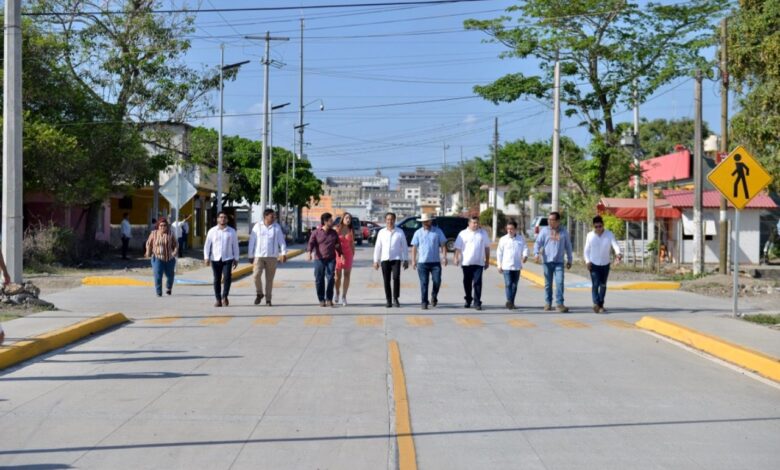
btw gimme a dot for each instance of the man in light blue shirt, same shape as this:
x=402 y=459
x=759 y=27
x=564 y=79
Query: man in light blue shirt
x=552 y=243
x=426 y=244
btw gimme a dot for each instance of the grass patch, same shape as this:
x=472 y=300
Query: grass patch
x=7 y=316
x=763 y=319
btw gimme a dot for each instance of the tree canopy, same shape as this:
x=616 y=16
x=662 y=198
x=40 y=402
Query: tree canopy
x=608 y=50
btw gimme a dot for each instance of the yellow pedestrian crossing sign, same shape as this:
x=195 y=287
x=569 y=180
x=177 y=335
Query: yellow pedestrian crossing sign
x=739 y=177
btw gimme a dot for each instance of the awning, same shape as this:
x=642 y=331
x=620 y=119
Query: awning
x=636 y=209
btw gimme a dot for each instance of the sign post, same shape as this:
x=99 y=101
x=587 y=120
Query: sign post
x=739 y=178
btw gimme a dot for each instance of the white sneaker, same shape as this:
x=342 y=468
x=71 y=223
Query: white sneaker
x=344 y=301
x=336 y=299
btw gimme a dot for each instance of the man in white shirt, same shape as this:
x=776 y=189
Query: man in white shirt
x=472 y=252
x=391 y=251
x=598 y=244
x=511 y=253
x=266 y=247
x=221 y=252
x=127 y=233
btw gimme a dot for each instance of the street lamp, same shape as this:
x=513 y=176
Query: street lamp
x=222 y=69
x=269 y=186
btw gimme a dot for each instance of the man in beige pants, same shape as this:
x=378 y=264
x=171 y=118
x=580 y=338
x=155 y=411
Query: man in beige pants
x=266 y=247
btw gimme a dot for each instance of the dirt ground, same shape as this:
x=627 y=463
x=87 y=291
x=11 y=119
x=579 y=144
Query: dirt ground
x=762 y=293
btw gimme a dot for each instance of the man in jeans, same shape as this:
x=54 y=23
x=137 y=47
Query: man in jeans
x=551 y=244
x=426 y=243
x=598 y=244
x=266 y=247
x=323 y=247
x=512 y=252
x=472 y=250
x=221 y=252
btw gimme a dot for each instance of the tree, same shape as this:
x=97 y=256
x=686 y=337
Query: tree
x=754 y=64
x=605 y=46
x=242 y=162
x=660 y=136
x=129 y=67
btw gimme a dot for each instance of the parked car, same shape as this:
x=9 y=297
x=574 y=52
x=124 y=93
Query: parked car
x=367 y=226
x=536 y=226
x=357 y=230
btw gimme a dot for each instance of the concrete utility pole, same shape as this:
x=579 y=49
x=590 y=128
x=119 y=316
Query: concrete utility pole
x=463 y=202
x=556 y=143
x=298 y=228
x=637 y=169
x=266 y=112
x=651 y=221
x=12 y=141
x=443 y=177
x=221 y=114
x=495 y=179
x=698 y=239
x=724 y=144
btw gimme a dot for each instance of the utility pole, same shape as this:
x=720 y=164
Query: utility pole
x=12 y=141
x=495 y=179
x=443 y=177
x=298 y=232
x=556 y=143
x=698 y=239
x=463 y=201
x=637 y=169
x=724 y=143
x=266 y=73
x=221 y=113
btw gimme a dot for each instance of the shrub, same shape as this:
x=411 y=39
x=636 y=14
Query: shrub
x=486 y=220
x=615 y=225
x=45 y=245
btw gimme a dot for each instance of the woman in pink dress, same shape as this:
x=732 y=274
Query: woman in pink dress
x=344 y=262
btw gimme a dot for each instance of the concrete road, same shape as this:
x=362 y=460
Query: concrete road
x=297 y=386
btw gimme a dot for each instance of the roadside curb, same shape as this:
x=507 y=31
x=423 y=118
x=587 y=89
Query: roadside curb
x=28 y=348
x=247 y=270
x=746 y=358
x=112 y=281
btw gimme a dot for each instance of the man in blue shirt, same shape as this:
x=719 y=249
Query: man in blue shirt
x=552 y=243
x=426 y=243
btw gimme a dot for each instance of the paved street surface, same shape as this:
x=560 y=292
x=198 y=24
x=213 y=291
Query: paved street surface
x=296 y=386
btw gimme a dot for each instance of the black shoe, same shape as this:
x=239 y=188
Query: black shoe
x=435 y=302
x=389 y=304
x=268 y=303
x=159 y=295
x=396 y=304
x=510 y=306
x=225 y=301
x=168 y=292
x=424 y=306
x=467 y=305
x=478 y=307
x=259 y=299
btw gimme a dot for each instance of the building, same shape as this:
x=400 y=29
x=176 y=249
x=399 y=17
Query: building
x=422 y=183
x=349 y=190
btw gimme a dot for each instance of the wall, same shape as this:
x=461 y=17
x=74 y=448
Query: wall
x=749 y=243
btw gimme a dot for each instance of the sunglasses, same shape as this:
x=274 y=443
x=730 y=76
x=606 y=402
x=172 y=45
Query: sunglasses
x=598 y=226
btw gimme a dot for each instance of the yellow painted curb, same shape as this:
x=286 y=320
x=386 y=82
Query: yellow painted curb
x=114 y=281
x=247 y=270
x=37 y=345
x=648 y=285
x=407 y=457
x=756 y=361
x=525 y=274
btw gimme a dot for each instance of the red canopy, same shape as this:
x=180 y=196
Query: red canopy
x=636 y=209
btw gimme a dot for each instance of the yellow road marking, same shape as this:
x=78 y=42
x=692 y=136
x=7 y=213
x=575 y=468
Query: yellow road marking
x=520 y=323
x=368 y=320
x=216 y=320
x=162 y=320
x=318 y=320
x=268 y=320
x=419 y=321
x=407 y=459
x=307 y=285
x=469 y=322
x=114 y=281
x=620 y=324
x=571 y=324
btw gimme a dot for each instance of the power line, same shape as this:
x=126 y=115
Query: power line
x=247 y=9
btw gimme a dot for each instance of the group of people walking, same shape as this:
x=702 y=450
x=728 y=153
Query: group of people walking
x=332 y=248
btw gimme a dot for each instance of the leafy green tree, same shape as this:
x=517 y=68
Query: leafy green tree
x=754 y=64
x=486 y=220
x=605 y=46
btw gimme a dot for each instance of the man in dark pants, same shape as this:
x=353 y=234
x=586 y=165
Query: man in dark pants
x=323 y=247
x=426 y=244
x=391 y=251
x=598 y=244
x=127 y=232
x=472 y=250
x=221 y=252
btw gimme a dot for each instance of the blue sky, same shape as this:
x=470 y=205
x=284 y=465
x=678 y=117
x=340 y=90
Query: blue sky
x=364 y=63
